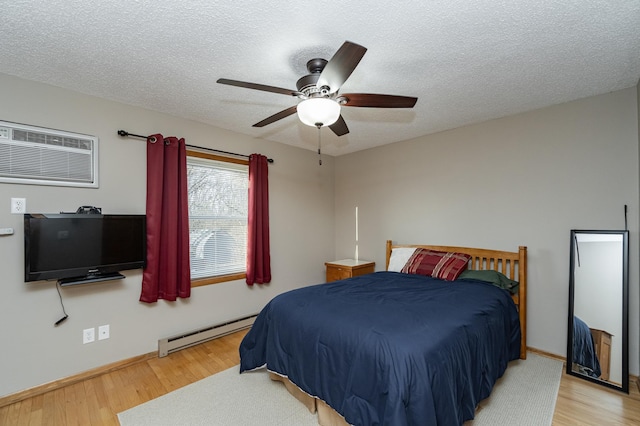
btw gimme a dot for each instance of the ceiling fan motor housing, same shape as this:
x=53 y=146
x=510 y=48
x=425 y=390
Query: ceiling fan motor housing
x=307 y=84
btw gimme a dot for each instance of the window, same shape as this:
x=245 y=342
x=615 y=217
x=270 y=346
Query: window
x=218 y=206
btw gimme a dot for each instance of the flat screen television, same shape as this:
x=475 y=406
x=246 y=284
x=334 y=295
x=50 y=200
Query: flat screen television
x=82 y=248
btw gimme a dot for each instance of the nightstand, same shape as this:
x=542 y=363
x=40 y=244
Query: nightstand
x=347 y=268
x=602 y=341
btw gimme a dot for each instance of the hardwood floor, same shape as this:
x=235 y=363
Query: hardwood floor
x=97 y=401
x=583 y=403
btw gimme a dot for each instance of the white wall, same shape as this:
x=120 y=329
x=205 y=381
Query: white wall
x=636 y=260
x=522 y=180
x=33 y=350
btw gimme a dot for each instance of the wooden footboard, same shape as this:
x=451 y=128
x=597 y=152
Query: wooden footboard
x=511 y=264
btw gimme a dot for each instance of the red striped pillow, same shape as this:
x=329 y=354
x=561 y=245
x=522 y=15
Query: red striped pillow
x=437 y=264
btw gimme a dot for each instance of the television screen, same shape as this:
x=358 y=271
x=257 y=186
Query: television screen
x=82 y=247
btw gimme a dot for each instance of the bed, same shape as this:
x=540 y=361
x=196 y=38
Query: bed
x=396 y=347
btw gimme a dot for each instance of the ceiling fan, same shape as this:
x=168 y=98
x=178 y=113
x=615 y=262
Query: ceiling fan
x=321 y=102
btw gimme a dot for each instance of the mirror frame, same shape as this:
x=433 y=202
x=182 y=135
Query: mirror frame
x=625 y=309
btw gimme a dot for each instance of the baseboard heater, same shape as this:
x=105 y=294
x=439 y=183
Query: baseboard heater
x=185 y=340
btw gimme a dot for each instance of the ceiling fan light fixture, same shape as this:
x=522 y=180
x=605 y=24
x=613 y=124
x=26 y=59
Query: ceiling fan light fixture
x=318 y=110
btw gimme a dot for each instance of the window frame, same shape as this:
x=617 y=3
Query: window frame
x=216 y=279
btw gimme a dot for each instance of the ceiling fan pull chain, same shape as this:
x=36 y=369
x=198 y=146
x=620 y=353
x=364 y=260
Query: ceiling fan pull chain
x=319 y=126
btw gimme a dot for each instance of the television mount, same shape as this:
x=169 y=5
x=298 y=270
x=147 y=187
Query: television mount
x=86 y=210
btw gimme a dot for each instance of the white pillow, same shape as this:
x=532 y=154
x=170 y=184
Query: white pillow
x=399 y=257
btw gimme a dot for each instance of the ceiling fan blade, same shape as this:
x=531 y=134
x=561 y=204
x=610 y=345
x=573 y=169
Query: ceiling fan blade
x=256 y=86
x=339 y=127
x=341 y=65
x=372 y=100
x=278 y=116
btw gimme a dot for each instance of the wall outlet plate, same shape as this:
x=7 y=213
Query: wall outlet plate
x=18 y=205
x=103 y=332
x=88 y=335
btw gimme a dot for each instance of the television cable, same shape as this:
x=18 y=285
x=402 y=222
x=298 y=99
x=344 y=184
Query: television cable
x=64 y=318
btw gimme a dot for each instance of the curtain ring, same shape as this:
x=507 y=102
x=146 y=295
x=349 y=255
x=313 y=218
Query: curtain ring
x=152 y=139
x=167 y=142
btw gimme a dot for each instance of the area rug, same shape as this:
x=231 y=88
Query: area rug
x=227 y=398
x=525 y=395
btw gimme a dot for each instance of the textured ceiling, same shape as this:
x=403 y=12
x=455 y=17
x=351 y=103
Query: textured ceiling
x=466 y=61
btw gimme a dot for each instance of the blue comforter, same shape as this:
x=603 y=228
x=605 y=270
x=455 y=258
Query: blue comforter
x=584 y=349
x=389 y=348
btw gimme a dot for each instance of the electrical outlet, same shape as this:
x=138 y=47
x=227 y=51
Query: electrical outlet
x=103 y=332
x=18 y=205
x=88 y=335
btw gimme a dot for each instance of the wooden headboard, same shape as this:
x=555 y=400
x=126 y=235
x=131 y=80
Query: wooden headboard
x=511 y=264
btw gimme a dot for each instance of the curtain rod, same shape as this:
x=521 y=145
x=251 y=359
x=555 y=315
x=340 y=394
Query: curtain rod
x=124 y=133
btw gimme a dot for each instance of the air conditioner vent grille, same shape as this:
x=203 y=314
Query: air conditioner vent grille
x=49 y=139
x=47 y=157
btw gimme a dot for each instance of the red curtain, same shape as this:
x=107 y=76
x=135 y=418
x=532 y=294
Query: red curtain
x=258 y=256
x=167 y=274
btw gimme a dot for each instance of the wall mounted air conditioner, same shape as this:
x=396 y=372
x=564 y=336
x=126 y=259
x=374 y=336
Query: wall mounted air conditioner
x=40 y=156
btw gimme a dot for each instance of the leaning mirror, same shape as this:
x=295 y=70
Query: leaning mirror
x=597 y=346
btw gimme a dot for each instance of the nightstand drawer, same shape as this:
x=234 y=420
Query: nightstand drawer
x=335 y=273
x=348 y=268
